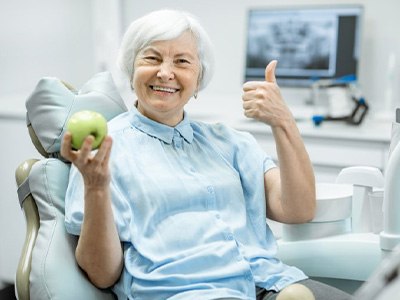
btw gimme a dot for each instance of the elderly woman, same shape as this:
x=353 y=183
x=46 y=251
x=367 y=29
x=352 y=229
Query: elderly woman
x=171 y=208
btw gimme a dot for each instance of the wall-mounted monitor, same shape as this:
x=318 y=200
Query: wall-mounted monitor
x=310 y=43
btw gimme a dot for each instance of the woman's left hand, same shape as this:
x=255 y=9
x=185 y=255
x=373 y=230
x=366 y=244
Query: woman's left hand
x=262 y=100
x=290 y=191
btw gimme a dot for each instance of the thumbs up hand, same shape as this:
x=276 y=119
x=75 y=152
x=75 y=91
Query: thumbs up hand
x=270 y=72
x=262 y=100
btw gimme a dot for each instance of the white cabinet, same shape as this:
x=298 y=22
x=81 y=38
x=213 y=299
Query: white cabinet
x=333 y=146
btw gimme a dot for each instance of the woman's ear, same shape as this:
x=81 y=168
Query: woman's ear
x=131 y=82
x=196 y=91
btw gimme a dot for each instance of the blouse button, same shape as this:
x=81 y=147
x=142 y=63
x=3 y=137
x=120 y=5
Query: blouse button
x=248 y=276
x=229 y=237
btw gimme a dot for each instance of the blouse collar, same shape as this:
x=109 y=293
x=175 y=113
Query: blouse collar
x=161 y=131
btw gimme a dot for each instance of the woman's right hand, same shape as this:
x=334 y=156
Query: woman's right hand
x=93 y=166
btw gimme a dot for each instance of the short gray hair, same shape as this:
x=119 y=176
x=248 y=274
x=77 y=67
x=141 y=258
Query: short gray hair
x=164 y=25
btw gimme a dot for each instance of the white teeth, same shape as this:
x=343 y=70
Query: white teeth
x=163 y=89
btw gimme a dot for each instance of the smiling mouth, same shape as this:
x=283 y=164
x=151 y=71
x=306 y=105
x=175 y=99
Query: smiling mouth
x=163 y=89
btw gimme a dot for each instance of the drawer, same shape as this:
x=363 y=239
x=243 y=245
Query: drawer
x=345 y=153
x=332 y=152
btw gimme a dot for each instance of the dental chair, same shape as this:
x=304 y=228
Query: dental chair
x=47 y=268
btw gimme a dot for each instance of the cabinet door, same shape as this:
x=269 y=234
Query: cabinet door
x=345 y=153
x=330 y=155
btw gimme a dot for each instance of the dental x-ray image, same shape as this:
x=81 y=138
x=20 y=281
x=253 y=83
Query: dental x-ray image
x=300 y=43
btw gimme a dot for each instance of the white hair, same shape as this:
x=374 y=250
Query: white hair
x=164 y=25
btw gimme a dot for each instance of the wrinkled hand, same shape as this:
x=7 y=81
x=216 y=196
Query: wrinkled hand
x=262 y=100
x=93 y=166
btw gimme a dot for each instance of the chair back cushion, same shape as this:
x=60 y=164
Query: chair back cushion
x=54 y=271
x=52 y=103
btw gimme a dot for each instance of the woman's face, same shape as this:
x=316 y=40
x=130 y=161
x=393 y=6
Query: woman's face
x=166 y=76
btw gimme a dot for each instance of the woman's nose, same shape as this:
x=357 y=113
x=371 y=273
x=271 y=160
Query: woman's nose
x=166 y=71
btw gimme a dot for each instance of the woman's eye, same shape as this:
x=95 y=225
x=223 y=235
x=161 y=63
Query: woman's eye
x=183 y=61
x=151 y=58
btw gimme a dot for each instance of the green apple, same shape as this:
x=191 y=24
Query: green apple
x=84 y=123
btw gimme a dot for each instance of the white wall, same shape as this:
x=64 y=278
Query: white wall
x=43 y=38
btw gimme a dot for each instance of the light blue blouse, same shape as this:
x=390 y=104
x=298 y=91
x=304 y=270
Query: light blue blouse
x=189 y=206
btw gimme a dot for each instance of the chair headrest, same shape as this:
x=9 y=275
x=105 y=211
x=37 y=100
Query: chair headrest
x=53 y=102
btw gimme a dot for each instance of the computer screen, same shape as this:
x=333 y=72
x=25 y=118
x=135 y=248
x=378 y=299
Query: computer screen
x=310 y=43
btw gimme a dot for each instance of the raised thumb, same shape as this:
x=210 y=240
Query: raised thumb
x=270 y=71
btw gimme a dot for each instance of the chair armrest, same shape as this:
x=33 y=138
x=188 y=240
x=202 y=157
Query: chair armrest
x=32 y=227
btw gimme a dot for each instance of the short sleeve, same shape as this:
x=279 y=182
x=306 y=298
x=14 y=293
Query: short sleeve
x=242 y=149
x=74 y=202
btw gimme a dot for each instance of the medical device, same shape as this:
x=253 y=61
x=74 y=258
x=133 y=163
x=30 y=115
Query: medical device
x=309 y=42
x=340 y=99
